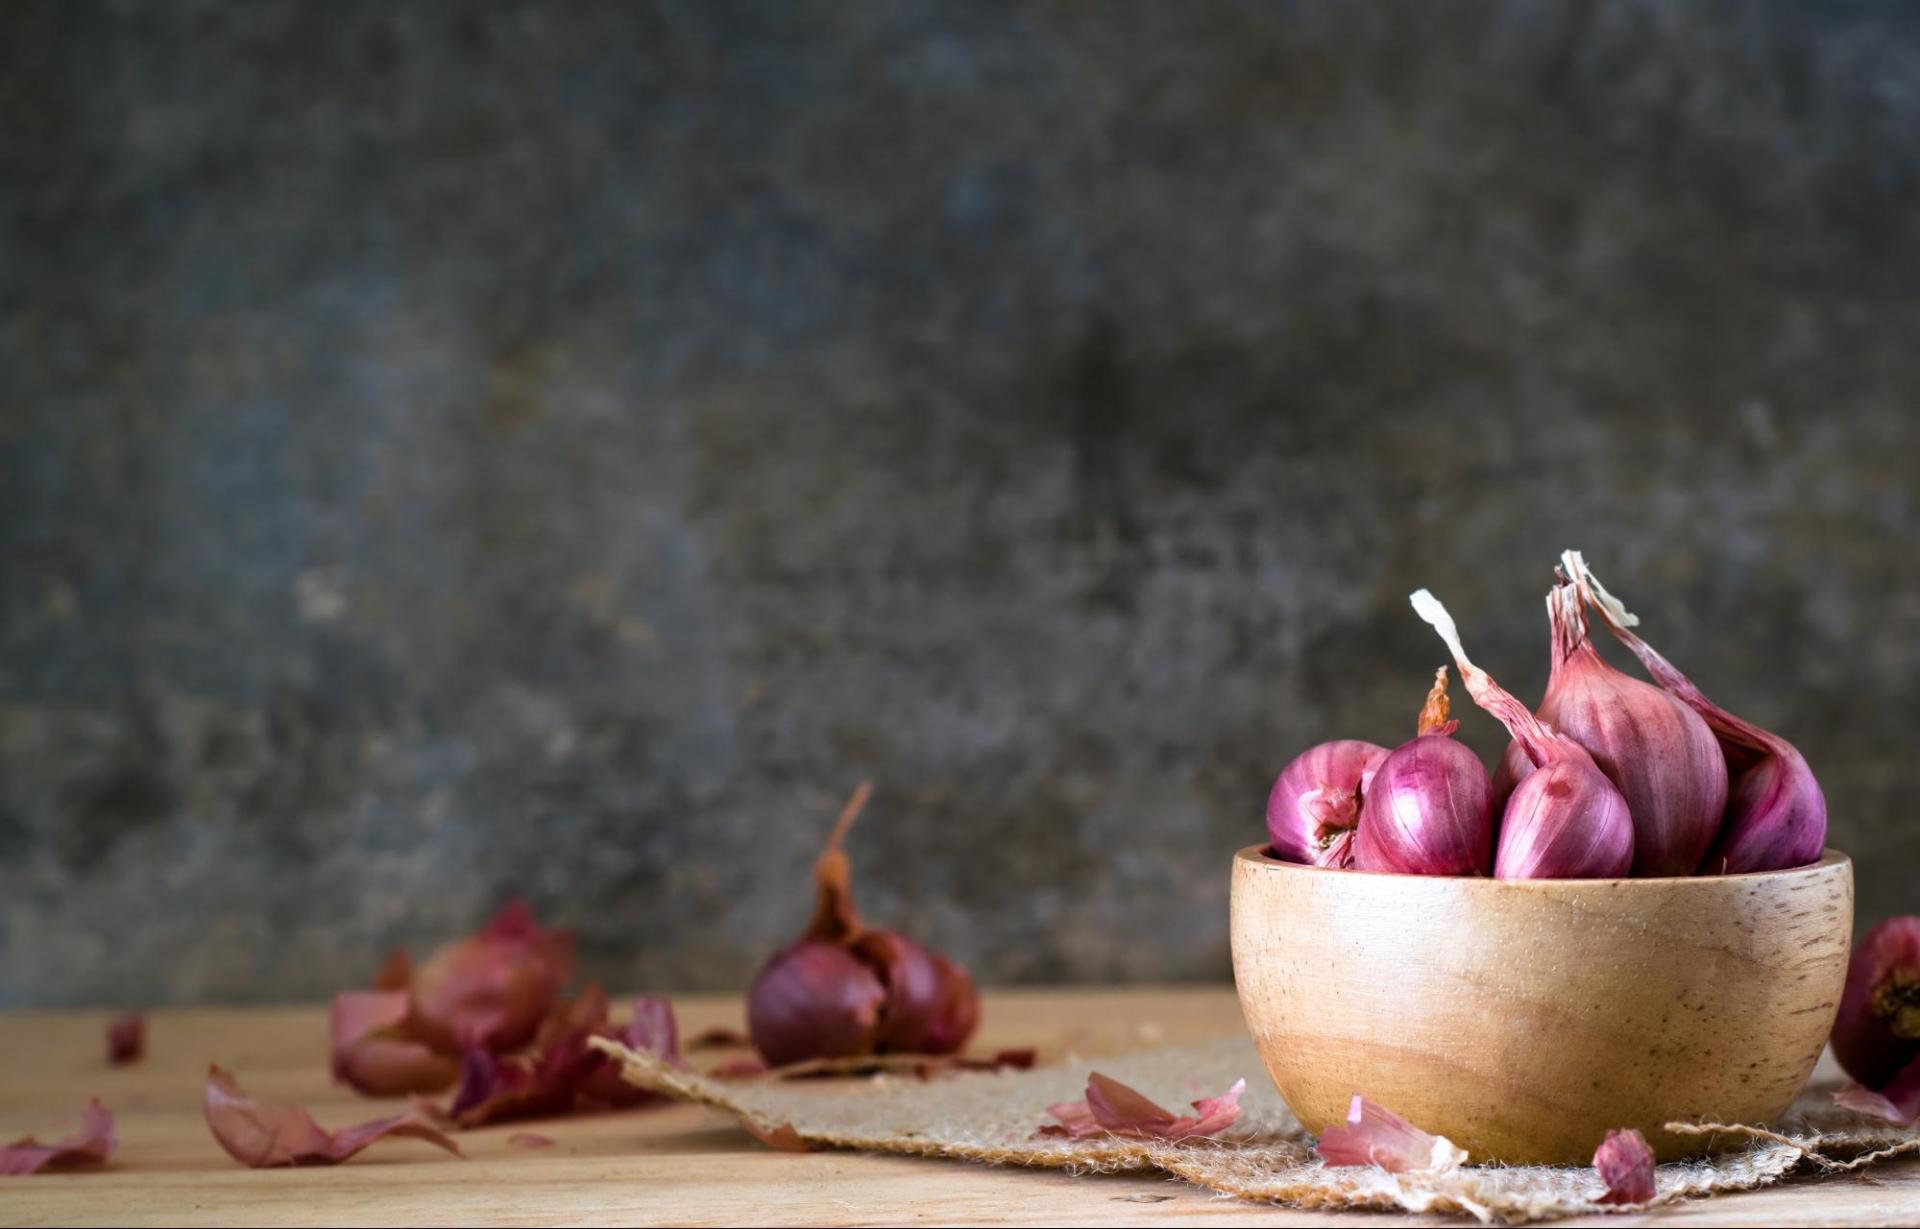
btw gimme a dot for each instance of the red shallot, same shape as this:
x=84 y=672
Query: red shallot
x=1566 y=820
x=1876 y=1035
x=1657 y=751
x=1428 y=809
x=844 y=990
x=1776 y=816
x=1315 y=802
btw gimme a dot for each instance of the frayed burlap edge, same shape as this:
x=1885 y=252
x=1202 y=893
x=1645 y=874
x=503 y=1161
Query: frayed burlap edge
x=1267 y=1156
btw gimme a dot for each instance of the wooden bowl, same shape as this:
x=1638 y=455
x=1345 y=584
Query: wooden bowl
x=1524 y=1019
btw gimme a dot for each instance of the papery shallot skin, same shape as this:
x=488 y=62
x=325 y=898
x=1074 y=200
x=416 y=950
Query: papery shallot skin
x=1375 y=1135
x=815 y=999
x=1428 y=811
x=1624 y=1161
x=492 y=989
x=1876 y=1034
x=372 y=1055
x=92 y=1144
x=1315 y=802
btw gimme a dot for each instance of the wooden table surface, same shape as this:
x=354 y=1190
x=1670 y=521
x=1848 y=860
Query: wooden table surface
x=677 y=1165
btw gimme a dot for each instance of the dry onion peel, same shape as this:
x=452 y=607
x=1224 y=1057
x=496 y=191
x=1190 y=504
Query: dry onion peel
x=1112 y=1108
x=371 y=1053
x=1375 y=1135
x=1624 y=1161
x=92 y=1144
x=562 y=1071
x=263 y=1136
x=492 y=989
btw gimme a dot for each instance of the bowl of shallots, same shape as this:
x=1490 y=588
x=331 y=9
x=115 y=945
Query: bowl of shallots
x=1631 y=922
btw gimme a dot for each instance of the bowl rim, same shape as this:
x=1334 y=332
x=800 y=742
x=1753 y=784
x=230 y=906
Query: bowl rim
x=1257 y=855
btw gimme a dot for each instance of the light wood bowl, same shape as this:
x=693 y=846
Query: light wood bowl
x=1524 y=1019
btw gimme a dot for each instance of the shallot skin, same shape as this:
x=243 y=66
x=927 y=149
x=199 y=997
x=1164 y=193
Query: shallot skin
x=1538 y=842
x=1428 y=811
x=1316 y=801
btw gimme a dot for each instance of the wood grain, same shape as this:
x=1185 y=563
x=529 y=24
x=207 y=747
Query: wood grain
x=671 y=1166
x=1525 y=1019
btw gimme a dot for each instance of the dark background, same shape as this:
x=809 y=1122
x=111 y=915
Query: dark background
x=456 y=450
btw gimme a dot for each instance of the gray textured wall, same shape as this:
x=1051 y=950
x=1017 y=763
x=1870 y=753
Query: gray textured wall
x=455 y=450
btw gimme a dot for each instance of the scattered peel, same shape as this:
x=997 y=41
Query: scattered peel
x=396 y=972
x=373 y=1055
x=1375 y=1135
x=127 y=1039
x=1112 y=1108
x=719 y=1038
x=527 y=1139
x=262 y=1136
x=562 y=1071
x=92 y=1144
x=492 y=989
x=1898 y=1102
x=780 y=1135
x=1625 y=1163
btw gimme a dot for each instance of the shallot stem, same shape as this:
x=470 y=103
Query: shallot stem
x=1537 y=738
x=834 y=916
x=855 y=804
x=1434 y=713
x=1618 y=619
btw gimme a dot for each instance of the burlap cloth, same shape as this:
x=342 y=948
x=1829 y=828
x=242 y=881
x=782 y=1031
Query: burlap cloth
x=1266 y=1156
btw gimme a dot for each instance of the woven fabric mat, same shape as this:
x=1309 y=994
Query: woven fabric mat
x=1266 y=1156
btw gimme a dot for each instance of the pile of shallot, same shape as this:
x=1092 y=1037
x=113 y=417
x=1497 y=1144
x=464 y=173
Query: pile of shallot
x=1608 y=776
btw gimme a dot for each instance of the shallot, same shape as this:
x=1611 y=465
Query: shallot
x=1876 y=1035
x=1565 y=820
x=1428 y=810
x=1315 y=801
x=1776 y=815
x=1658 y=752
x=844 y=990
